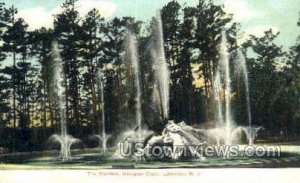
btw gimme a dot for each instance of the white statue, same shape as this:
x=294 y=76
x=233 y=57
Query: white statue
x=181 y=136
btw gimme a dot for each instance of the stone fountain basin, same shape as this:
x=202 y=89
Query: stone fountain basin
x=92 y=159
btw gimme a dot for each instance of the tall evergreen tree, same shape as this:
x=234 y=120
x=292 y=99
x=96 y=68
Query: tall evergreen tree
x=10 y=39
x=41 y=41
x=90 y=51
x=4 y=85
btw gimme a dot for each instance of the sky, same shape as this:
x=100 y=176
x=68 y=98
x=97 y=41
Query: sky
x=255 y=16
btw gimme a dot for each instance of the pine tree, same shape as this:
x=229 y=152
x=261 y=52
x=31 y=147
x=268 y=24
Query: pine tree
x=4 y=82
x=90 y=51
x=10 y=38
x=41 y=41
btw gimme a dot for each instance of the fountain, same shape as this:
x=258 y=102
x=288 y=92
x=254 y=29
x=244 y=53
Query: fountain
x=183 y=142
x=180 y=135
x=223 y=72
x=131 y=59
x=179 y=140
x=102 y=137
x=226 y=128
x=161 y=81
x=242 y=69
x=224 y=62
x=137 y=135
x=161 y=71
x=64 y=139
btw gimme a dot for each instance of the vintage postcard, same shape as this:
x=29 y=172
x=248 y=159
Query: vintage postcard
x=149 y=90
